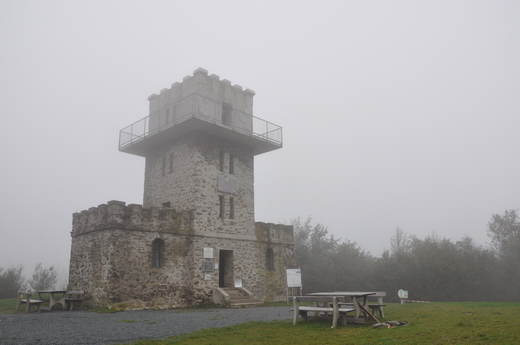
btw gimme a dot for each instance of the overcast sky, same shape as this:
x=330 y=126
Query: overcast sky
x=395 y=113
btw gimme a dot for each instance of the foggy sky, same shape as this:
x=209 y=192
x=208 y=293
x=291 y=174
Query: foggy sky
x=395 y=113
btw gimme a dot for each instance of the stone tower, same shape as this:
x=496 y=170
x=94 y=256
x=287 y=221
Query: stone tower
x=195 y=233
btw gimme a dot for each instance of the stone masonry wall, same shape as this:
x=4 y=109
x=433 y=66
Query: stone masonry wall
x=111 y=258
x=191 y=182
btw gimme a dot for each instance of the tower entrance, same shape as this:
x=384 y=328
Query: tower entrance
x=225 y=268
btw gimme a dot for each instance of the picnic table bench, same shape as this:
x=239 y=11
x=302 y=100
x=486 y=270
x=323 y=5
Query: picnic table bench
x=326 y=306
x=377 y=308
x=74 y=297
x=24 y=297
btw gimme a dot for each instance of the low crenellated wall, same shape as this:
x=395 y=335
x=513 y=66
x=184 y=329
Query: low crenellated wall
x=111 y=258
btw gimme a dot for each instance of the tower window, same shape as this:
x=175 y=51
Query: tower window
x=222 y=157
x=227 y=114
x=221 y=201
x=171 y=163
x=163 y=169
x=157 y=253
x=231 y=208
x=167 y=116
x=231 y=164
x=269 y=259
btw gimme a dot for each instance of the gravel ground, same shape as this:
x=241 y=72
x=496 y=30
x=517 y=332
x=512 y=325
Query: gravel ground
x=82 y=327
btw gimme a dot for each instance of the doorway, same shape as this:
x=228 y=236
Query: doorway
x=225 y=268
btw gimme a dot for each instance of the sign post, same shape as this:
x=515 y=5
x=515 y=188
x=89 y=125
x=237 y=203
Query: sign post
x=294 y=280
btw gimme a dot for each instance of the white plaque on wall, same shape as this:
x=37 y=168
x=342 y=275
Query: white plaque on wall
x=208 y=253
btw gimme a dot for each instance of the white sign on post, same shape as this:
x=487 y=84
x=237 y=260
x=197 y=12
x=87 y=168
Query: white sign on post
x=294 y=277
x=403 y=294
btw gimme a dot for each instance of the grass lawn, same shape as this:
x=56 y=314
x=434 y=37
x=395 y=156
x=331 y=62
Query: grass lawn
x=429 y=323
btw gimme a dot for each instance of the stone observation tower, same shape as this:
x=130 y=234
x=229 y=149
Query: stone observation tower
x=194 y=239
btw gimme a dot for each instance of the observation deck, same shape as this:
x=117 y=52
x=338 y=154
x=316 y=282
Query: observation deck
x=198 y=113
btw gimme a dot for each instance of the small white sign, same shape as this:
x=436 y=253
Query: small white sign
x=208 y=253
x=402 y=293
x=294 y=277
x=238 y=282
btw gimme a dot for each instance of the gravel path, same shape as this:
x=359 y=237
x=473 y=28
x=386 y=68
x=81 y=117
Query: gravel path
x=81 y=327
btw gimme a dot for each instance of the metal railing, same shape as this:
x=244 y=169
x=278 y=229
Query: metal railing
x=202 y=108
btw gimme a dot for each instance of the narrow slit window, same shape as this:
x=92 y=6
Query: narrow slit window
x=231 y=164
x=222 y=157
x=163 y=168
x=231 y=208
x=221 y=202
x=167 y=116
x=157 y=253
x=170 y=167
x=269 y=259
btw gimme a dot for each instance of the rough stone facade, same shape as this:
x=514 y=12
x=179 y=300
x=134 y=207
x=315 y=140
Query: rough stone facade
x=196 y=230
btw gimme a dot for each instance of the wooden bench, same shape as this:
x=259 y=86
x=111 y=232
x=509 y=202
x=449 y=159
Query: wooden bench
x=328 y=306
x=72 y=297
x=24 y=297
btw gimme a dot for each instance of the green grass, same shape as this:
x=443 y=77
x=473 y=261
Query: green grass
x=433 y=323
x=8 y=306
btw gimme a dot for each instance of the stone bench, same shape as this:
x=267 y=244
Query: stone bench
x=24 y=297
x=72 y=297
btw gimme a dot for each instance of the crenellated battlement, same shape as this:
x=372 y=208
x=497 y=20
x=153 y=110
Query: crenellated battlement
x=200 y=77
x=117 y=215
x=274 y=233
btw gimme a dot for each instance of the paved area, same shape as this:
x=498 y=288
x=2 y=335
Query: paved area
x=82 y=327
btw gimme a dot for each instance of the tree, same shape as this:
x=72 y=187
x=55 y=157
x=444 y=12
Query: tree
x=43 y=278
x=328 y=264
x=11 y=281
x=504 y=231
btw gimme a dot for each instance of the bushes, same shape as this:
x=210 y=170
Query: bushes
x=12 y=280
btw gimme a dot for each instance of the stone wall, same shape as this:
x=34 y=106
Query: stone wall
x=111 y=258
x=191 y=181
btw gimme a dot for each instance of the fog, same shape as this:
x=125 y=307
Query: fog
x=395 y=114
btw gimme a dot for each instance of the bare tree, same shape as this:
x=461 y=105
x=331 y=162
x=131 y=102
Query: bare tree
x=43 y=278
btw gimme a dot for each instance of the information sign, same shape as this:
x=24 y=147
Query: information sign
x=294 y=277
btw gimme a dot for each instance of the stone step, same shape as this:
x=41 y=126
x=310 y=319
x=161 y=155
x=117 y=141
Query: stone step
x=235 y=292
x=245 y=303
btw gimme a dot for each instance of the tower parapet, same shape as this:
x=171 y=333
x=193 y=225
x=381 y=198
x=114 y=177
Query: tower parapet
x=205 y=103
x=117 y=215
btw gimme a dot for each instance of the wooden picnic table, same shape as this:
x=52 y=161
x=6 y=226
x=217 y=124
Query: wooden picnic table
x=53 y=300
x=361 y=307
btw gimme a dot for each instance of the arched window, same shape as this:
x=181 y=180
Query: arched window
x=269 y=259
x=157 y=252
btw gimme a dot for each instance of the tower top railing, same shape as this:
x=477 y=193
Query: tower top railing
x=204 y=109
